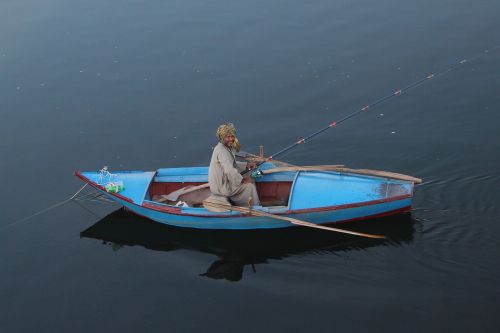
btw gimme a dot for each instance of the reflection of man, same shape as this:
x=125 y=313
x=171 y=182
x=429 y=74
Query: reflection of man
x=224 y=176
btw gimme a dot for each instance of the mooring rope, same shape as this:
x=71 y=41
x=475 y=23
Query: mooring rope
x=381 y=100
x=59 y=204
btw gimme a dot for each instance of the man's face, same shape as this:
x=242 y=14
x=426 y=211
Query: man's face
x=228 y=140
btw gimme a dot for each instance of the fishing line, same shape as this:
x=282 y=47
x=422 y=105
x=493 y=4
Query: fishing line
x=381 y=100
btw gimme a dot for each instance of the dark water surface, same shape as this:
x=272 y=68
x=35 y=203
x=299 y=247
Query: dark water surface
x=143 y=85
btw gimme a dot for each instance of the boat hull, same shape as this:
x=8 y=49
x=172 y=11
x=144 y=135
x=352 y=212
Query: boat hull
x=200 y=218
x=242 y=222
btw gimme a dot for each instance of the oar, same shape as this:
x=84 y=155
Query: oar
x=342 y=169
x=173 y=196
x=291 y=220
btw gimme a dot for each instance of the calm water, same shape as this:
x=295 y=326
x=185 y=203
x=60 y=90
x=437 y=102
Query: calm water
x=143 y=85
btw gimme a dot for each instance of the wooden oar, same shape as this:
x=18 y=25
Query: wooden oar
x=291 y=220
x=341 y=168
x=173 y=196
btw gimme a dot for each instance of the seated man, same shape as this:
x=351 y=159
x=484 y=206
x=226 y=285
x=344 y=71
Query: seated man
x=224 y=173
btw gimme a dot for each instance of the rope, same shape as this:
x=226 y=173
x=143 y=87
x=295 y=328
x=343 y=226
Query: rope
x=59 y=204
x=381 y=100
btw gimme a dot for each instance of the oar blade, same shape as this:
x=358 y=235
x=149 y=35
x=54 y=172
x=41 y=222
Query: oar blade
x=291 y=220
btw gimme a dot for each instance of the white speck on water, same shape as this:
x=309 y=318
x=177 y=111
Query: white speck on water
x=347 y=76
x=18 y=88
x=175 y=138
x=81 y=70
x=399 y=68
x=381 y=114
x=393 y=132
x=42 y=84
x=98 y=74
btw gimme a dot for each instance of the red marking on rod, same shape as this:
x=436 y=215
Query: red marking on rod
x=430 y=76
x=333 y=124
x=301 y=141
x=365 y=108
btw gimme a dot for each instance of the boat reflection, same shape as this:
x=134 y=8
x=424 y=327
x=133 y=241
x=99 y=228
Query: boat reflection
x=235 y=249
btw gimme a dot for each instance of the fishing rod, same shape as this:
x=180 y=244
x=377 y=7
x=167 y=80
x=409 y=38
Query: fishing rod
x=378 y=102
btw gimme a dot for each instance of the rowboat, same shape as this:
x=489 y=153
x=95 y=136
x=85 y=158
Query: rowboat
x=316 y=194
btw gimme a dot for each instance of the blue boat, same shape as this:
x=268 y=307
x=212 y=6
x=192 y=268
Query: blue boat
x=319 y=195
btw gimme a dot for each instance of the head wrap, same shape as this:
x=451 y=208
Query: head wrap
x=225 y=129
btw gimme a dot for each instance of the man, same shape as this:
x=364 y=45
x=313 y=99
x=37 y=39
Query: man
x=224 y=174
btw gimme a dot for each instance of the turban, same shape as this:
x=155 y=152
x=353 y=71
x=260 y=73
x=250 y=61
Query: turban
x=225 y=129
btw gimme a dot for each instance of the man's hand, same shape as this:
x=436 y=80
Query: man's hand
x=246 y=180
x=251 y=165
